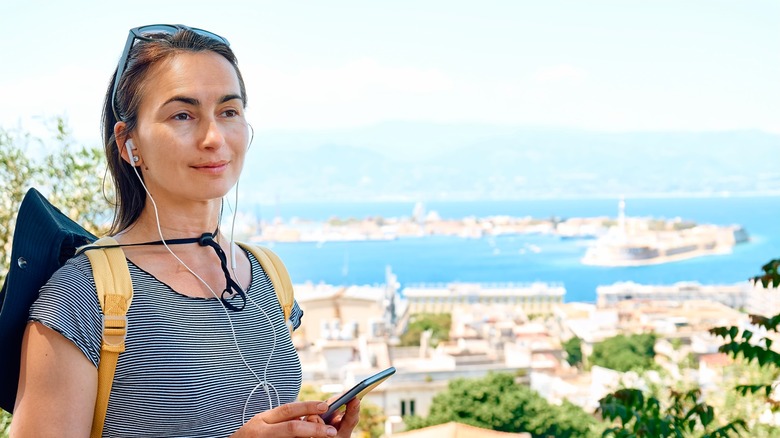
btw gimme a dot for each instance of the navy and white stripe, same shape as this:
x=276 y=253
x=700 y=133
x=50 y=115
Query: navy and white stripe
x=181 y=373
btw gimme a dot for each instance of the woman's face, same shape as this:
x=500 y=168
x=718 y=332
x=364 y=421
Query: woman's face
x=191 y=132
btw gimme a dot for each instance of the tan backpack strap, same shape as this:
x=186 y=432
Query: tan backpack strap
x=277 y=273
x=115 y=293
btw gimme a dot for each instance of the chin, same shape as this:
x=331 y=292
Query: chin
x=212 y=191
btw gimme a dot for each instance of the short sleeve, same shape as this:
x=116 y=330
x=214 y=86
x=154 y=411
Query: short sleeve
x=296 y=315
x=68 y=304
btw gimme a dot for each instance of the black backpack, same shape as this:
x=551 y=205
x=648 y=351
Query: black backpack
x=44 y=238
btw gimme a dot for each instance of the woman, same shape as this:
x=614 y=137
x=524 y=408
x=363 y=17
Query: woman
x=199 y=361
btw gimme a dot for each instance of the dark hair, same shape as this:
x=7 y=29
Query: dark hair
x=130 y=195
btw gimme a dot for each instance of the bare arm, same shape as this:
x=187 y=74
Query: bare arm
x=57 y=387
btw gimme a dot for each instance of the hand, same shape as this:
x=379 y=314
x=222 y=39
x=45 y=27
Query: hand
x=346 y=420
x=291 y=421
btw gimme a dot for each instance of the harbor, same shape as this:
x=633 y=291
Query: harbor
x=613 y=241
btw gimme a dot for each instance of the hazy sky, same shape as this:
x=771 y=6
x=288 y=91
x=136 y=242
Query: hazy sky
x=599 y=64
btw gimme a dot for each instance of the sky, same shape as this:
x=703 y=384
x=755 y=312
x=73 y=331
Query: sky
x=603 y=65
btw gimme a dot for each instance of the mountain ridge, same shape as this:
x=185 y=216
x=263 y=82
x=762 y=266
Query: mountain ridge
x=464 y=162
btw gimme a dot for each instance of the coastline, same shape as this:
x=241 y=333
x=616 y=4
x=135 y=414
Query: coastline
x=659 y=260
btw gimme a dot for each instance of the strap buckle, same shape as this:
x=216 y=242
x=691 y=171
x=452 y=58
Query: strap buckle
x=114 y=330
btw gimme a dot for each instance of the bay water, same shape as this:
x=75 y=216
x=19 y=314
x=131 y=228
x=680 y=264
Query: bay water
x=526 y=258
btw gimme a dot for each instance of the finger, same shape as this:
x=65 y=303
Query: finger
x=294 y=411
x=348 y=419
x=301 y=428
x=352 y=414
x=314 y=419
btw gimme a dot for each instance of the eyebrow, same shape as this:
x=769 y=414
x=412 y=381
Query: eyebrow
x=195 y=102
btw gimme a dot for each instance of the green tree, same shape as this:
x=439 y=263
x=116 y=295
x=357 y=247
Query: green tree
x=734 y=405
x=757 y=368
x=438 y=323
x=753 y=347
x=625 y=353
x=496 y=402
x=5 y=423
x=573 y=349
x=74 y=177
x=639 y=416
x=71 y=177
x=16 y=173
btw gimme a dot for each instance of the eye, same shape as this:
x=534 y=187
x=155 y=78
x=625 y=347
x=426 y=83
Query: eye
x=230 y=113
x=181 y=116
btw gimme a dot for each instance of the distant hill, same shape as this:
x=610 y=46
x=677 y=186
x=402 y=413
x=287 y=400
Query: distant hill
x=421 y=161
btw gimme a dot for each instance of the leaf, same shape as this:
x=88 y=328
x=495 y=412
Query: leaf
x=719 y=331
x=773 y=323
x=759 y=320
x=729 y=428
x=706 y=414
x=771 y=265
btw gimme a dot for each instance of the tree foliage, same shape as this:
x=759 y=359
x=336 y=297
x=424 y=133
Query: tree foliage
x=625 y=353
x=496 y=402
x=637 y=415
x=71 y=177
x=641 y=416
x=573 y=349
x=5 y=423
x=16 y=172
x=438 y=323
x=752 y=345
x=74 y=178
x=771 y=275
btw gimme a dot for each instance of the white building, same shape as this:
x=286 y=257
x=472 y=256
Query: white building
x=349 y=333
x=534 y=298
x=735 y=296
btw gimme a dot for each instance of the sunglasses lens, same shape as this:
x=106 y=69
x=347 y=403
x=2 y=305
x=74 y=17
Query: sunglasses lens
x=210 y=35
x=155 y=31
x=159 y=31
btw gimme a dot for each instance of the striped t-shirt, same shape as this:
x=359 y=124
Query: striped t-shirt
x=181 y=374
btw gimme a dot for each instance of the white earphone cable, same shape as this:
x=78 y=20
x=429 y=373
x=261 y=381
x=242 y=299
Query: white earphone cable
x=262 y=382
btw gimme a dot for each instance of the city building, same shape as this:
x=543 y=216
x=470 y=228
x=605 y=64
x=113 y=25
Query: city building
x=532 y=299
x=736 y=296
x=458 y=430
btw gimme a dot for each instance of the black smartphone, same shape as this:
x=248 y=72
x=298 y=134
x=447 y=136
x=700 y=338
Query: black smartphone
x=357 y=391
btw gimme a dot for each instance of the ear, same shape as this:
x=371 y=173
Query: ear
x=125 y=145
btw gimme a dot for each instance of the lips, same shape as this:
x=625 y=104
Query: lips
x=211 y=166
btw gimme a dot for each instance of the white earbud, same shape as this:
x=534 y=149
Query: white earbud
x=130 y=155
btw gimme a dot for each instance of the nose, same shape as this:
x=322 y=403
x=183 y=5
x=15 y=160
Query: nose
x=213 y=136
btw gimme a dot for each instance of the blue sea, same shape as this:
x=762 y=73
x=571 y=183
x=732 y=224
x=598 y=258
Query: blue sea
x=503 y=259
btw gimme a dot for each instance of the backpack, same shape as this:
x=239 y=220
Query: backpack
x=44 y=238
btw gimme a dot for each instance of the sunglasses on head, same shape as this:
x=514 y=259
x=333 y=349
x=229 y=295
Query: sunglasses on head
x=151 y=32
